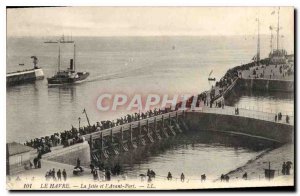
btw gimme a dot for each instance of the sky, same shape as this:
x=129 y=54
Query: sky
x=147 y=21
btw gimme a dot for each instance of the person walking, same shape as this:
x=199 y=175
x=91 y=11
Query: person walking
x=288 y=168
x=287 y=119
x=64 y=173
x=107 y=175
x=53 y=174
x=169 y=177
x=283 y=171
x=58 y=175
x=182 y=177
x=148 y=172
x=78 y=162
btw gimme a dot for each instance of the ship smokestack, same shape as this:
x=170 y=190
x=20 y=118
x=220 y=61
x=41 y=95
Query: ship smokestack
x=71 y=64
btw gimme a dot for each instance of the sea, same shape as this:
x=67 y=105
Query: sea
x=130 y=65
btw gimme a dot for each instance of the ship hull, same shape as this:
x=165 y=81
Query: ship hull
x=62 y=81
x=25 y=76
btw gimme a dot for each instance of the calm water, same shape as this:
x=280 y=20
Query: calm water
x=129 y=65
x=197 y=153
x=272 y=102
x=194 y=161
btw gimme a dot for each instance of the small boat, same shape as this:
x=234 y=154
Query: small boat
x=69 y=76
x=63 y=40
x=210 y=78
x=50 y=42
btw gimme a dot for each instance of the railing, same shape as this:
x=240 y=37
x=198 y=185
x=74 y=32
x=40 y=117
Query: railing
x=226 y=90
x=135 y=124
x=267 y=110
x=273 y=79
x=267 y=116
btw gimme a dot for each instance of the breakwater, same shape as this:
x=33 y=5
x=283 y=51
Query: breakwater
x=114 y=141
x=265 y=85
x=24 y=76
x=243 y=125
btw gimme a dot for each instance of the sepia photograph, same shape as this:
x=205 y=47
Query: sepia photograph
x=150 y=98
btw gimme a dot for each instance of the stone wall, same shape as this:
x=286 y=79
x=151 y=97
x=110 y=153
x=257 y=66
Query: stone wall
x=70 y=154
x=198 y=121
x=266 y=85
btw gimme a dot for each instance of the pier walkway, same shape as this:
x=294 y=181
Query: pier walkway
x=270 y=72
x=135 y=124
x=255 y=114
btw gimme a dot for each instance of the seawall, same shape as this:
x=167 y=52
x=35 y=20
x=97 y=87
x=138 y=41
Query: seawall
x=265 y=85
x=277 y=132
x=24 y=76
x=70 y=154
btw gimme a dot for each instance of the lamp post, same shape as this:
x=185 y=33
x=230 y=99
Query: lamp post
x=79 y=122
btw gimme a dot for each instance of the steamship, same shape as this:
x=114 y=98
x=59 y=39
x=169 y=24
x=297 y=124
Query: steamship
x=69 y=76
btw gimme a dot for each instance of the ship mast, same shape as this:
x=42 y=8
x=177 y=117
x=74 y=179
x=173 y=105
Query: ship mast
x=258 y=43
x=278 y=30
x=58 y=57
x=74 y=56
x=271 y=41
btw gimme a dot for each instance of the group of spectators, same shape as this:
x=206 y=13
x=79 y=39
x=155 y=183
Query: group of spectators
x=105 y=172
x=74 y=135
x=56 y=176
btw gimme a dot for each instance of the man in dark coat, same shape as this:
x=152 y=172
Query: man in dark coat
x=58 y=175
x=64 y=173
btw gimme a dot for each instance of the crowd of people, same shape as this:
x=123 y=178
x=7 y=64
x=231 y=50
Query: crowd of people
x=74 y=135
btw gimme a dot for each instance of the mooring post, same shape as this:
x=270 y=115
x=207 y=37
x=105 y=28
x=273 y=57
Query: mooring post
x=162 y=121
x=170 y=119
x=122 y=134
x=91 y=143
x=155 y=124
x=111 y=135
x=140 y=128
x=130 y=130
x=101 y=141
x=147 y=126
x=177 y=116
